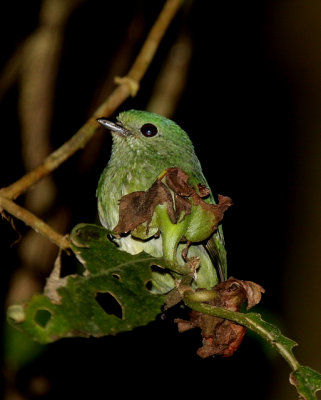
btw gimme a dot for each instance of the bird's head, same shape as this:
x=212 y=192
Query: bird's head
x=148 y=131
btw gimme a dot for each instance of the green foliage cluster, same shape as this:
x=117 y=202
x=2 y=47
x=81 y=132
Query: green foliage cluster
x=74 y=305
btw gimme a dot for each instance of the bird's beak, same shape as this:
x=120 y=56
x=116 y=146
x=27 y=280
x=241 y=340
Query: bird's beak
x=114 y=127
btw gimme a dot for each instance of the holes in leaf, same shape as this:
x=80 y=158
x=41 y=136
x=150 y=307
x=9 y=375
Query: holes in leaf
x=149 y=285
x=109 y=304
x=42 y=317
x=116 y=276
x=159 y=270
x=111 y=238
x=70 y=265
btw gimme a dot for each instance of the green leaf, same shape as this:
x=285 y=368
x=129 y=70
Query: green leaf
x=253 y=321
x=273 y=335
x=307 y=382
x=110 y=296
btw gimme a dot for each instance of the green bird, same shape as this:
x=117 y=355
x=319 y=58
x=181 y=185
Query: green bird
x=145 y=145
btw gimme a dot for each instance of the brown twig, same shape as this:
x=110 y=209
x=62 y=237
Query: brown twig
x=127 y=86
x=119 y=95
x=34 y=222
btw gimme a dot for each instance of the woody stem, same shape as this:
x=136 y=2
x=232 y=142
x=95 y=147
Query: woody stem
x=250 y=321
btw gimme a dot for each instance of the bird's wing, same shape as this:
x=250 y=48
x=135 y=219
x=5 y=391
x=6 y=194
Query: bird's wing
x=215 y=245
x=216 y=249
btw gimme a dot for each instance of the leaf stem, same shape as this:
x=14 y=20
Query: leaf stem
x=251 y=321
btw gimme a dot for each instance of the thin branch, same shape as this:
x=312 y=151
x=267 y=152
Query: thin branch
x=128 y=86
x=267 y=331
x=153 y=39
x=34 y=222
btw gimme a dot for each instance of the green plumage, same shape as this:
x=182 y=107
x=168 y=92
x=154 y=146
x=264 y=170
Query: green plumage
x=137 y=159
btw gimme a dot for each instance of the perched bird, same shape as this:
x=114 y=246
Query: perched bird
x=144 y=146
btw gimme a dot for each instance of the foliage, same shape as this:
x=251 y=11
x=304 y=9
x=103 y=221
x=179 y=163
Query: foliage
x=70 y=306
x=74 y=305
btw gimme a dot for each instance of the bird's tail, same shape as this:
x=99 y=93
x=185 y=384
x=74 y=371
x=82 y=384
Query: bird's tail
x=216 y=249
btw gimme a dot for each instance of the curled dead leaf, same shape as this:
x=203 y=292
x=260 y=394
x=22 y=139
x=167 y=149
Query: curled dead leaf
x=176 y=180
x=253 y=292
x=172 y=188
x=221 y=336
x=203 y=190
x=138 y=207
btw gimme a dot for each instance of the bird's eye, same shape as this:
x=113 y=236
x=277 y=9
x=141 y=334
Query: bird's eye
x=149 y=130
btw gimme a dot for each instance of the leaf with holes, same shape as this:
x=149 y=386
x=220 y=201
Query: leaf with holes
x=110 y=296
x=307 y=382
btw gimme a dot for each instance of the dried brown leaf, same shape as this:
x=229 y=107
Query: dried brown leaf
x=176 y=180
x=253 y=292
x=138 y=207
x=221 y=336
x=203 y=190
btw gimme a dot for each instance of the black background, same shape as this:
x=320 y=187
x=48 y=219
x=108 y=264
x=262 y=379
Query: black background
x=251 y=105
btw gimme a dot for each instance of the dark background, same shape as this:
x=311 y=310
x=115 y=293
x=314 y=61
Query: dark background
x=251 y=104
